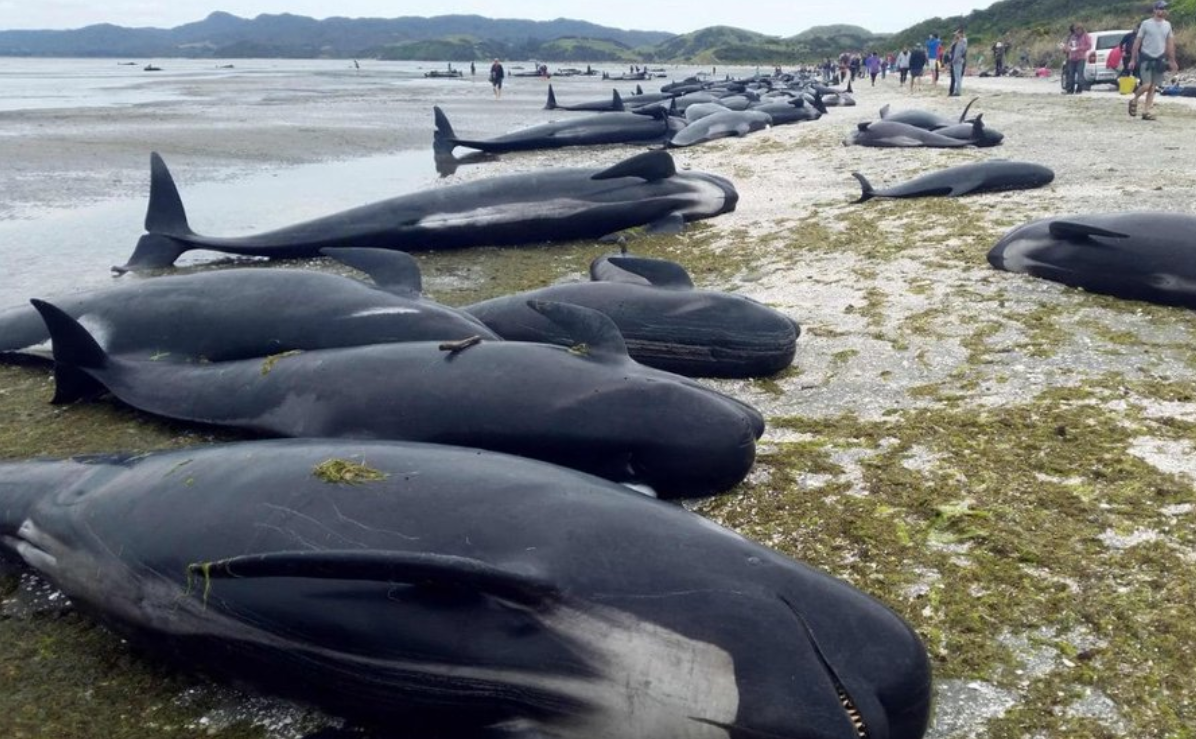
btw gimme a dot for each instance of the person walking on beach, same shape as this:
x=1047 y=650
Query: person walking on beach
x=497 y=73
x=959 y=62
x=934 y=51
x=1077 y=46
x=903 y=66
x=1154 y=47
x=872 y=63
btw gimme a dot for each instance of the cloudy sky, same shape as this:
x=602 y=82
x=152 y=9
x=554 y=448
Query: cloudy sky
x=765 y=16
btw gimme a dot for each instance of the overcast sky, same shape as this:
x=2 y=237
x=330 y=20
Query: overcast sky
x=773 y=17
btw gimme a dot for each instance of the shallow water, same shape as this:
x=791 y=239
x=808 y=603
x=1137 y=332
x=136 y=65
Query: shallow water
x=260 y=145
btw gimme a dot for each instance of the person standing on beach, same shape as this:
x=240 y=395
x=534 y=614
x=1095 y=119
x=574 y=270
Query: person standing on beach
x=903 y=66
x=1154 y=46
x=934 y=50
x=497 y=73
x=999 y=49
x=1077 y=45
x=917 y=62
x=959 y=62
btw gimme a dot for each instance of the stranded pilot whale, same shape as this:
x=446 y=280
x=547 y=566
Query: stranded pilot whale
x=991 y=176
x=227 y=314
x=587 y=406
x=665 y=322
x=455 y=592
x=1140 y=255
x=591 y=130
x=546 y=205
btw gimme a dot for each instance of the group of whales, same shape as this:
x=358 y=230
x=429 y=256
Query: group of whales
x=678 y=116
x=592 y=612
x=475 y=576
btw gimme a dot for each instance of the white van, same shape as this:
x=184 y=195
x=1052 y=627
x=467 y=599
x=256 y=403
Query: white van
x=1095 y=71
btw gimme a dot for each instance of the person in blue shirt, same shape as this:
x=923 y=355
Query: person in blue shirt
x=933 y=44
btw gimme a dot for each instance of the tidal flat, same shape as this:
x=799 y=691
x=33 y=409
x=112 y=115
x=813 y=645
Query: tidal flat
x=1008 y=463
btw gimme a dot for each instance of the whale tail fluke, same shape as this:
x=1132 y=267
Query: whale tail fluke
x=963 y=116
x=445 y=138
x=153 y=251
x=75 y=351
x=165 y=214
x=868 y=193
x=551 y=104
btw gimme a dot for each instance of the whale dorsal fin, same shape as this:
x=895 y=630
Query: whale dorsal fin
x=592 y=332
x=616 y=101
x=394 y=271
x=884 y=111
x=415 y=568
x=1076 y=231
x=650 y=166
x=75 y=352
x=658 y=272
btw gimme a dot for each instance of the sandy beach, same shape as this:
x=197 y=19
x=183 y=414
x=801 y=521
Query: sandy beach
x=1008 y=463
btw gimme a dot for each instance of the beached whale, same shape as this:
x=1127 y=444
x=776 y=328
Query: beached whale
x=990 y=176
x=666 y=323
x=613 y=103
x=591 y=130
x=534 y=207
x=720 y=125
x=923 y=118
x=886 y=133
x=1140 y=255
x=460 y=593
x=586 y=406
x=226 y=314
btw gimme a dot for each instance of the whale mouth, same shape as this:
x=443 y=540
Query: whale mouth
x=854 y=715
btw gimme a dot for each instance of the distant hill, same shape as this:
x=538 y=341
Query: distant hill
x=222 y=35
x=737 y=46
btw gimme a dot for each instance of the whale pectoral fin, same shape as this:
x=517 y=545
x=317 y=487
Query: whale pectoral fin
x=673 y=223
x=413 y=568
x=394 y=271
x=1075 y=231
x=963 y=187
x=592 y=332
x=658 y=272
x=651 y=166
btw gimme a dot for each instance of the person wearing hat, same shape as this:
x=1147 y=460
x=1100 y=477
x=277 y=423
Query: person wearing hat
x=1154 y=47
x=497 y=73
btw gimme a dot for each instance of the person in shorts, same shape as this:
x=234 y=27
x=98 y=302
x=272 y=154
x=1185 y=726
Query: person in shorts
x=1154 y=51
